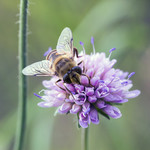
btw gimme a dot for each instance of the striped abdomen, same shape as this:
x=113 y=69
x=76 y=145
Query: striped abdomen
x=64 y=65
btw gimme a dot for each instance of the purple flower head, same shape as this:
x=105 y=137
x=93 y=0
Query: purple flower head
x=107 y=86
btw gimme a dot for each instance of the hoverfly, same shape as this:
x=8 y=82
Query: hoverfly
x=59 y=62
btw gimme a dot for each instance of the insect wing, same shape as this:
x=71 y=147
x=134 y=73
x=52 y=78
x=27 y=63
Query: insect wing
x=65 y=42
x=41 y=68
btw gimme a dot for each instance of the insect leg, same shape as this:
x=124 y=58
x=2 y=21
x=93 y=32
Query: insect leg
x=64 y=86
x=50 y=53
x=47 y=57
x=83 y=65
x=80 y=62
x=75 y=53
x=58 y=85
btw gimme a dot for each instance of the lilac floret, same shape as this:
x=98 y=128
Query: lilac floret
x=65 y=108
x=75 y=109
x=80 y=99
x=102 y=91
x=107 y=87
x=131 y=94
x=95 y=81
x=94 y=116
x=89 y=91
x=84 y=120
x=84 y=81
x=112 y=111
x=92 y=99
x=100 y=104
x=79 y=88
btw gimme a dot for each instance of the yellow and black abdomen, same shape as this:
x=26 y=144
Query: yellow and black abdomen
x=61 y=63
x=64 y=65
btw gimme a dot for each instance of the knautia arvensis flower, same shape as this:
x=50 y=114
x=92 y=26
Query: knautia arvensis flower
x=108 y=87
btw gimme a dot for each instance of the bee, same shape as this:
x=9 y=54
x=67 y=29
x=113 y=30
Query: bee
x=59 y=62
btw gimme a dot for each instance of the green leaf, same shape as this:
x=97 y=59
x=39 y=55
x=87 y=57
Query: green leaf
x=103 y=114
x=114 y=103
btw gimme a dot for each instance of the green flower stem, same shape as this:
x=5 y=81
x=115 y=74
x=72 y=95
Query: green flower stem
x=22 y=49
x=84 y=138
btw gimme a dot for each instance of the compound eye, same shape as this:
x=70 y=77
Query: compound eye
x=77 y=69
x=66 y=78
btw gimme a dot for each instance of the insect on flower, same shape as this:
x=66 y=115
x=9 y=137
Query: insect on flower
x=59 y=62
x=87 y=88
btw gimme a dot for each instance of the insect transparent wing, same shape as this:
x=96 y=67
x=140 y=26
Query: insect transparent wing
x=41 y=68
x=65 y=42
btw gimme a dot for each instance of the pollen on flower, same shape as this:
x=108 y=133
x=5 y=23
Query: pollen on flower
x=108 y=87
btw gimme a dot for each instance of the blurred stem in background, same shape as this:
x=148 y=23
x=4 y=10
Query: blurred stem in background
x=22 y=49
x=84 y=138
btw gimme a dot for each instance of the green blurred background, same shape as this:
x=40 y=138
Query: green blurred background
x=114 y=23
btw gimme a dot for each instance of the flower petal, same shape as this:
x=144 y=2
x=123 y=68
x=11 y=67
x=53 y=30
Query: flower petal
x=75 y=109
x=89 y=91
x=79 y=88
x=44 y=104
x=94 y=116
x=53 y=101
x=65 y=108
x=84 y=120
x=113 y=97
x=71 y=88
x=132 y=94
x=90 y=72
x=80 y=98
x=112 y=111
x=100 y=104
x=86 y=107
x=92 y=99
x=84 y=80
x=95 y=80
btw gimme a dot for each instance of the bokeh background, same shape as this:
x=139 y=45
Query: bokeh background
x=114 y=23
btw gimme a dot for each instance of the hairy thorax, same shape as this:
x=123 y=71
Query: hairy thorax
x=63 y=66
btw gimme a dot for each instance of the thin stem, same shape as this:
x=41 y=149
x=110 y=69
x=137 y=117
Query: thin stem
x=22 y=50
x=84 y=139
